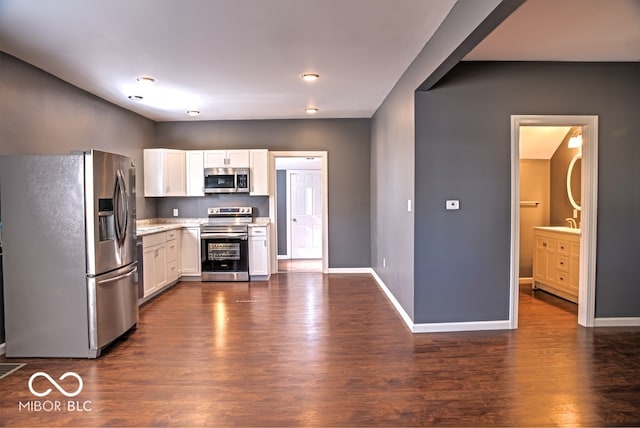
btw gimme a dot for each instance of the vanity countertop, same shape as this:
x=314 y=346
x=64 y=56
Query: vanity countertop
x=562 y=229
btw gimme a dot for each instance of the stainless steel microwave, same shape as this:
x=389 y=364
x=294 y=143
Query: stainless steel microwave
x=226 y=180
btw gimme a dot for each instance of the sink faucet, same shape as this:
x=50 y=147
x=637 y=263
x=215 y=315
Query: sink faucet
x=572 y=222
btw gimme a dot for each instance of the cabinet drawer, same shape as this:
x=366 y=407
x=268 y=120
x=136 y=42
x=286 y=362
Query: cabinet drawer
x=155 y=239
x=563 y=247
x=563 y=263
x=257 y=231
x=547 y=243
x=563 y=279
x=171 y=234
x=172 y=250
x=172 y=270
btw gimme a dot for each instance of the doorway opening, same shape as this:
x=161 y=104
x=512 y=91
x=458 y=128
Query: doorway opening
x=298 y=208
x=586 y=127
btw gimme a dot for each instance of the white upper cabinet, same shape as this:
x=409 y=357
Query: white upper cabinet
x=164 y=172
x=226 y=158
x=195 y=172
x=259 y=173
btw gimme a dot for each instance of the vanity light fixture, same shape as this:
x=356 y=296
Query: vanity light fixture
x=310 y=77
x=311 y=110
x=575 y=141
x=193 y=112
x=136 y=97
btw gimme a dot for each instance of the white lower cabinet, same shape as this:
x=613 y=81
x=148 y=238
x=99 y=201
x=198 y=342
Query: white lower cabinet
x=190 y=254
x=161 y=260
x=174 y=261
x=154 y=262
x=259 y=252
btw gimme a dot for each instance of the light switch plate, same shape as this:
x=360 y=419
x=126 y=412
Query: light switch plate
x=175 y=212
x=452 y=204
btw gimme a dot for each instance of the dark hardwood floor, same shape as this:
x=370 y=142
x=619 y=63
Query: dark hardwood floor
x=330 y=350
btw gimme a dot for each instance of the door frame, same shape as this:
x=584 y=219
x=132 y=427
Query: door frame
x=324 y=171
x=589 y=210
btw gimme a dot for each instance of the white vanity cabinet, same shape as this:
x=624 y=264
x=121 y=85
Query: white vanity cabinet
x=191 y=251
x=226 y=159
x=259 y=172
x=259 y=266
x=164 y=173
x=556 y=261
x=194 y=165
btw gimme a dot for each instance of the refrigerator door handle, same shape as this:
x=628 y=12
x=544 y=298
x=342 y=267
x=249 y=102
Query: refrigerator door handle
x=121 y=208
x=119 y=277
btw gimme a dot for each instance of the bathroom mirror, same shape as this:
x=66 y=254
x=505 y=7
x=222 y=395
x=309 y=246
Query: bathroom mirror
x=574 y=175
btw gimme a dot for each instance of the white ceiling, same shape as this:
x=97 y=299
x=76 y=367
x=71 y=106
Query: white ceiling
x=541 y=142
x=241 y=59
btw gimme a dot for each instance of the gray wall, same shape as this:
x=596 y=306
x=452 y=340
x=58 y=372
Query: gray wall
x=347 y=142
x=463 y=152
x=41 y=114
x=392 y=152
x=196 y=207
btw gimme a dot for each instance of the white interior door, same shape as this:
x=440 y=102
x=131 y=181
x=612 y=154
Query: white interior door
x=305 y=192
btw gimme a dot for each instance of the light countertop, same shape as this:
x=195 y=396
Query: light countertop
x=157 y=225
x=562 y=229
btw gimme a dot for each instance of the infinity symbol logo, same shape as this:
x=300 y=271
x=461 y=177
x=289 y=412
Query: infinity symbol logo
x=54 y=383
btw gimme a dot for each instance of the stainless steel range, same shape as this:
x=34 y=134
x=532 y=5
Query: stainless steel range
x=225 y=246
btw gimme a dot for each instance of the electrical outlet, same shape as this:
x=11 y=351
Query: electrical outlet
x=175 y=212
x=452 y=204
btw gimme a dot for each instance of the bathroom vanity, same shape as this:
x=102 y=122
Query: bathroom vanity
x=556 y=261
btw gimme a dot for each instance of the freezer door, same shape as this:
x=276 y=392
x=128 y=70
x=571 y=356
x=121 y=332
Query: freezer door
x=110 y=211
x=113 y=306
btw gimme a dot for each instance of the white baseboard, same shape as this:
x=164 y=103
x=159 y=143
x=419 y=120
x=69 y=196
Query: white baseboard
x=617 y=322
x=283 y=257
x=3 y=348
x=460 y=326
x=350 y=270
x=438 y=327
x=403 y=314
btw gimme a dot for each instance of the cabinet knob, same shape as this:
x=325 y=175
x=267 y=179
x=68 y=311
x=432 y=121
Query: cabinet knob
x=544 y=244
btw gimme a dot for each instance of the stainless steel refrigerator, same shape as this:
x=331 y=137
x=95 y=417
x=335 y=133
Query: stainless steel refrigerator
x=68 y=232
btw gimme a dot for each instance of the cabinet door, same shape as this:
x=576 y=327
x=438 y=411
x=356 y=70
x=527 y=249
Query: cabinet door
x=195 y=172
x=238 y=158
x=190 y=254
x=174 y=173
x=215 y=159
x=258 y=256
x=259 y=175
x=160 y=266
x=148 y=270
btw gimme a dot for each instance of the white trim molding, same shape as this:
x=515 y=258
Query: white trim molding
x=618 y=322
x=589 y=211
x=3 y=348
x=350 y=270
x=437 y=327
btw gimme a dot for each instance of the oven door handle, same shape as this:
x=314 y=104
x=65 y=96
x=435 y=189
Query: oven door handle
x=239 y=235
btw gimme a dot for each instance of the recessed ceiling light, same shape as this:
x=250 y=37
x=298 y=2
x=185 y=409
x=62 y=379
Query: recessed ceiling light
x=311 y=110
x=193 y=112
x=310 y=77
x=146 y=80
x=136 y=97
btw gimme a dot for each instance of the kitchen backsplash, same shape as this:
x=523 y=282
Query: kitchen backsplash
x=196 y=207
